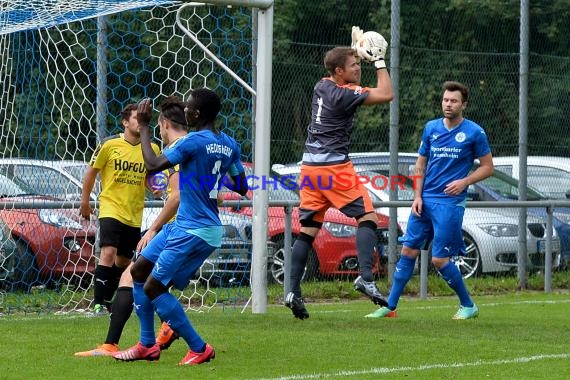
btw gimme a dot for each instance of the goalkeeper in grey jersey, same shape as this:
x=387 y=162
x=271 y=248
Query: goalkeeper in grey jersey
x=335 y=101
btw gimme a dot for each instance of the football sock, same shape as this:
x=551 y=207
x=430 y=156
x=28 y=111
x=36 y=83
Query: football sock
x=452 y=276
x=402 y=274
x=112 y=285
x=102 y=276
x=365 y=242
x=299 y=255
x=145 y=311
x=169 y=309
x=121 y=312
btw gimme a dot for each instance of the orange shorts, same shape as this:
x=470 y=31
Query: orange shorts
x=336 y=186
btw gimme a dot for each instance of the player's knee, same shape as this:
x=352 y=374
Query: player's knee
x=310 y=223
x=439 y=262
x=370 y=217
x=107 y=256
x=367 y=224
x=153 y=288
x=411 y=253
x=141 y=269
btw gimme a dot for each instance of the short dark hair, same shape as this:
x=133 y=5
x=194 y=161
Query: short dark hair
x=172 y=108
x=128 y=110
x=456 y=86
x=336 y=57
x=207 y=102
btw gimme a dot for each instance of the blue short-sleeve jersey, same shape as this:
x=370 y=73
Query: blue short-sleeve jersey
x=450 y=156
x=204 y=158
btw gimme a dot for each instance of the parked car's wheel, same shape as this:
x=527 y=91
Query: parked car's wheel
x=276 y=270
x=26 y=273
x=469 y=265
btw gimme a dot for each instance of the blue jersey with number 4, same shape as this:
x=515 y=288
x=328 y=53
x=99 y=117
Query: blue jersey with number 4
x=450 y=156
x=204 y=158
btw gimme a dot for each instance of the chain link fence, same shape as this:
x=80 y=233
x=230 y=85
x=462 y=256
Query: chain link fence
x=50 y=89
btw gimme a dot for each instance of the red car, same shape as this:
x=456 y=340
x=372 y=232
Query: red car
x=334 y=249
x=53 y=245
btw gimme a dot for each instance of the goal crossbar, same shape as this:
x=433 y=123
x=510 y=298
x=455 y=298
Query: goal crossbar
x=20 y=15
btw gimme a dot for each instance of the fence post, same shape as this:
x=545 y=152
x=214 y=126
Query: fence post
x=548 y=253
x=287 y=243
x=424 y=262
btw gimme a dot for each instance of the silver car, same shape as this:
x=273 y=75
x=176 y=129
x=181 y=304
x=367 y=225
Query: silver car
x=548 y=174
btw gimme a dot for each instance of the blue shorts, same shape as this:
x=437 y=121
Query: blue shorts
x=440 y=222
x=177 y=255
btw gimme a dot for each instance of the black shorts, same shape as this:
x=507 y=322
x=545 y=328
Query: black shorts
x=116 y=234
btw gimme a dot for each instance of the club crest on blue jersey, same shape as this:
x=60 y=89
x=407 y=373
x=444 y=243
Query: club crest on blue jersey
x=460 y=137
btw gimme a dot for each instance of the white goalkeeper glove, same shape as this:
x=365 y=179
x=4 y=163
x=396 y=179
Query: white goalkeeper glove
x=357 y=34
x=372 y=47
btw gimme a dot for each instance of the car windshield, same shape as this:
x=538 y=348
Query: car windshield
x=9 y=188
x=502 y=185
x=552 y=182
x=44 y=180
x=77 y=171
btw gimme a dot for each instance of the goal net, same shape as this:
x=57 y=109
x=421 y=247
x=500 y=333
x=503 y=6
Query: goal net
x=67 y=70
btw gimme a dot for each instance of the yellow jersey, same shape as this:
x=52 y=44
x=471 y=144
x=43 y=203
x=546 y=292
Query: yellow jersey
x=122 y=174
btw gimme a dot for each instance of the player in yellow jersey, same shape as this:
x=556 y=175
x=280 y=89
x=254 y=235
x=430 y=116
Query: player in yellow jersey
x=119 y=163
x=173 y=126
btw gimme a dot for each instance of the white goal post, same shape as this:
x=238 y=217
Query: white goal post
x=262 y=142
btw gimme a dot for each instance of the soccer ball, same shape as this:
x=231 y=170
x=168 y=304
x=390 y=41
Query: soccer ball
x=373 y=44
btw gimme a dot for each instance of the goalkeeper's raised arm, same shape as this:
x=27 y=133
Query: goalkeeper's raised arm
x=371 y=47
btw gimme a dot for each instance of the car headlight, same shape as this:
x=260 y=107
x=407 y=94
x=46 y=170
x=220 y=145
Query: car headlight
x=340 y=230
x=500 y=230
x=58 y=219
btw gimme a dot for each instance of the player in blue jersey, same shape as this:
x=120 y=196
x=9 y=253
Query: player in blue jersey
x=449 y=146
x=336 y=99
x=172 y=124
x=180 y=248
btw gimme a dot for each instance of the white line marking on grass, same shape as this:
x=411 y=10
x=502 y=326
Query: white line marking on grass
x=422 y=367
x=82 y=313
x=434 y=307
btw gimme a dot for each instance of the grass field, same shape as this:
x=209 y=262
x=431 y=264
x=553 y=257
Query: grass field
x=517 y=336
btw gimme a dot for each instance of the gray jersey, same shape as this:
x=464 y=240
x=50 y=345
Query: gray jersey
x=333 y=109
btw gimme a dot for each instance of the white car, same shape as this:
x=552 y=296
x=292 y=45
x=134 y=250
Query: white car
x=491 y=236
x=548 y=174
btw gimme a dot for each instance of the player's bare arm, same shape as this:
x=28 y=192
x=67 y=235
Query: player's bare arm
x=152 y=162
x=383 y=92
x=89 y=178
x=420 y=172
x=485 y=169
